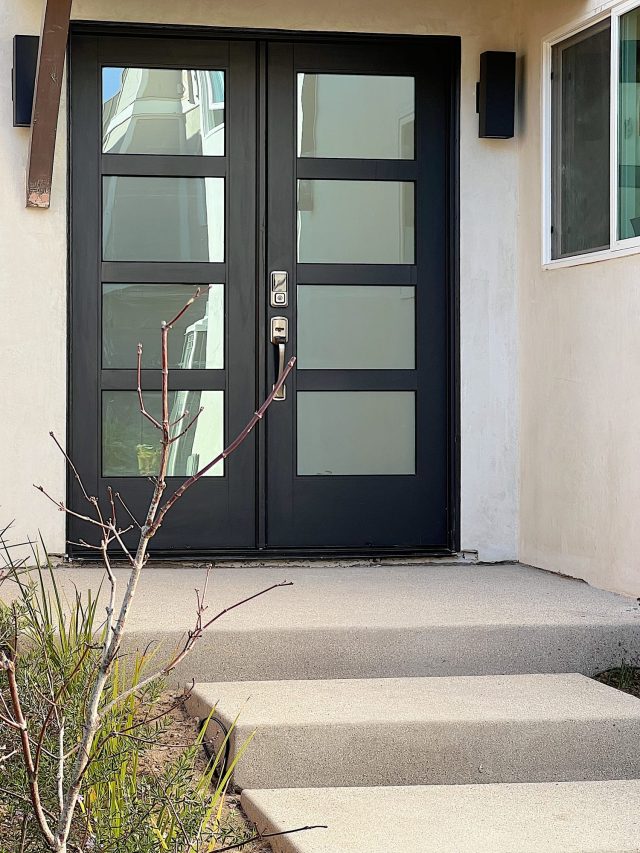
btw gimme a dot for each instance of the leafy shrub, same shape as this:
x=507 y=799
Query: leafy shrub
x=126 y=805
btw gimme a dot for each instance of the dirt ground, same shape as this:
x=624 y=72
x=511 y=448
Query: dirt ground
x=182 y=732
x=625 y=678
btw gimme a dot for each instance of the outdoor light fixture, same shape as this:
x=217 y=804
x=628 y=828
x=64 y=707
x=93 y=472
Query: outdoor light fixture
x=25 y=60
x=496 y=94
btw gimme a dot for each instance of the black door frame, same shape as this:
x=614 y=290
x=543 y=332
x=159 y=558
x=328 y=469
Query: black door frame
x=451 y=49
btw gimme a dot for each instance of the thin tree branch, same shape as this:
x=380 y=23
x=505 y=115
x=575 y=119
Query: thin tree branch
x=34 y=789
x=128 y=511
x=188 y=427
x=5 y=758
x=143 y=410
x=183 y=310
x=231 y=448
x=64 y=508
x=60 y=771
x=72 y=466
x=260 y=836
x=192 y=637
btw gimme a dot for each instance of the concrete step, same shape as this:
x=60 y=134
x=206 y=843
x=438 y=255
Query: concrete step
x=563 y=817
x=380 y=621
x=414 y=731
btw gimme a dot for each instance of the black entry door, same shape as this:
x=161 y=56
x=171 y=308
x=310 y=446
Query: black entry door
x=304 y=185
x=358 y=214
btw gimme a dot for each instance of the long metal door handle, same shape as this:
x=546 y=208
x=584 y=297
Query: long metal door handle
x=282 y=392
x=279 y=338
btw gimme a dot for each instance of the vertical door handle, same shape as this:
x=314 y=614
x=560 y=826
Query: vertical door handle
x=279 y=338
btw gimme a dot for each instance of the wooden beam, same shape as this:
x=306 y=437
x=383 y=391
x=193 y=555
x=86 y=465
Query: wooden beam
x=46 y=101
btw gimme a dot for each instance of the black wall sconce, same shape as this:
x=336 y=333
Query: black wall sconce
x=25 y=60
x=496 y=94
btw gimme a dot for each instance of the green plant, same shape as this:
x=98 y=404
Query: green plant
x=125 y=805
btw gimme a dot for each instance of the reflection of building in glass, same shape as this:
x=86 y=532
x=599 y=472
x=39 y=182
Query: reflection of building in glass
x=164 y=111
x=173 y=113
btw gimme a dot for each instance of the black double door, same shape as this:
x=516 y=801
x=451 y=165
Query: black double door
x=308 y=189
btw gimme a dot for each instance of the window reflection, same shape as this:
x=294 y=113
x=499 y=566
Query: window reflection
x=356 y=116
x=134 y=312
x=163 y=111
x=131 y=444
x=629 y=126
x=163 y=219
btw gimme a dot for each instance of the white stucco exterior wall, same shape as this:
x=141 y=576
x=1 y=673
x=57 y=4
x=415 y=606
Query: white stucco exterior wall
x=33 y=260
x=580 y=376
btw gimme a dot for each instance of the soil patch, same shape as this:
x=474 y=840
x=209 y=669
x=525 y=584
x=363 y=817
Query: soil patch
x=625 y=678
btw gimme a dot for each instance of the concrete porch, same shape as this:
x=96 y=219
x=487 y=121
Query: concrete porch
x=378 y=621
x=415 y=707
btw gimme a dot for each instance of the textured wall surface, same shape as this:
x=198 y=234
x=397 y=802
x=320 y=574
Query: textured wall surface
x=33 y=288
x=580 y=377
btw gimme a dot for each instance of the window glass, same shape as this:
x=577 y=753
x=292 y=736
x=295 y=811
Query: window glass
x=162 y=111
x=356 y=222
x=356 y=327
x=356 y=432
x=629 y=127
x=131 y=443
x=356 y=115
x=580 y=150
x=133 y=313
x=162 y=219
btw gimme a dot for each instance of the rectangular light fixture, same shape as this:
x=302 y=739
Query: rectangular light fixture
x=25 y=60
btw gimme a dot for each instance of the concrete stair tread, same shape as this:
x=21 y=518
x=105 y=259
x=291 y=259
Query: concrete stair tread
x=412 y=731
x=368 y=700
x=560 y=817
x=378 y=621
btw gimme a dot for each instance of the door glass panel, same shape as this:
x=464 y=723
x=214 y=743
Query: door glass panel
x=162 y=111
x=131 y=444
x=356 y=432
x=355 y=222
x=356 y=115
x=163 y=219
x=133 y=313
x=356 y=327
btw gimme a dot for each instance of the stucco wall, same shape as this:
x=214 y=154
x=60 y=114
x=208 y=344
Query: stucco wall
x=580 y=378
x=33 y=251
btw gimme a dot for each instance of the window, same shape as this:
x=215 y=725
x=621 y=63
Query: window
x=592 y=151
x=580 y=150
x=629 y=127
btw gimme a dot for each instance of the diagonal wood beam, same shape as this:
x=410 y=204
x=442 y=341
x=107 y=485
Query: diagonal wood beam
x=46 y=101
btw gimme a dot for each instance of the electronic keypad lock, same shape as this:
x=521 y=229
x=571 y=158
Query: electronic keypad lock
x=279 y=289
x=279 y=338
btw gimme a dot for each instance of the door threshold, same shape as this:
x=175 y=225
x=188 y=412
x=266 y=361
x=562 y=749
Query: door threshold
x=264 y=559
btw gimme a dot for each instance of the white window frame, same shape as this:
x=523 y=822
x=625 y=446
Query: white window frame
x=617 y=248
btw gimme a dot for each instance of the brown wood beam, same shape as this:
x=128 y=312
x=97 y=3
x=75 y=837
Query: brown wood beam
x=46 y=101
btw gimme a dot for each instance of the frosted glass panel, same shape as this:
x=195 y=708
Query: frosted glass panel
x=133 y=313
x=356 y=115
x=356 y=327
x=163 y=219
x=355 y=222
x=356 y=432
x=131 y=445
x=162 y=111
